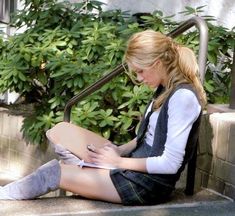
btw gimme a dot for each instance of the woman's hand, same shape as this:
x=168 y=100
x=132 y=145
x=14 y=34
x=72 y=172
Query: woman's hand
x=109 y=155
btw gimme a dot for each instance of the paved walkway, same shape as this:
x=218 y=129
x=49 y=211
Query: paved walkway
x=204 y=203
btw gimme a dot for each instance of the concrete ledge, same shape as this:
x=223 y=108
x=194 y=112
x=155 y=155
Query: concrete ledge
x=220 y=108
x=72 y=205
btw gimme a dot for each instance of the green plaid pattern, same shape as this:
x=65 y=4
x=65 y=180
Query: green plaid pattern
x=131 y=193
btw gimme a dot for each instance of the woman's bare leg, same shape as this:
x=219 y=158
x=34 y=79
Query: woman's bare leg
x=74 y=138
x=89 y=183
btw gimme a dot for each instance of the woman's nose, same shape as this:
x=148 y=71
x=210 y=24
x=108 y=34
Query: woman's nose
x=139 y=78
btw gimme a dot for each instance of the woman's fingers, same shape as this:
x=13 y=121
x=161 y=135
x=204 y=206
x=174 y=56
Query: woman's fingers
x=95 y=157
x=92 y=155
x=106 y=155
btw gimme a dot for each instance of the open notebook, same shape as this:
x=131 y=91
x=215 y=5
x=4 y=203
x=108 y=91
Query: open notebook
x=76 y=139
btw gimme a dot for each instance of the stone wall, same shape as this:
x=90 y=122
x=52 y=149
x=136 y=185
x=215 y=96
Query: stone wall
x=216 y=153
x=17 y=158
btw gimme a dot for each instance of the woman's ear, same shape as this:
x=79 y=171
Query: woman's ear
x=157 y=63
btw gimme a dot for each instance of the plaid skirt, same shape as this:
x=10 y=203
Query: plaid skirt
x=133 y=193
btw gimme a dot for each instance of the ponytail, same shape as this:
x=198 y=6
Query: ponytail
x=189 y=68
x=181 y=65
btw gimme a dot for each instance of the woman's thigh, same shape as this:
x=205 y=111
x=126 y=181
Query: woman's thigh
x=75 y=138
x=88 y=182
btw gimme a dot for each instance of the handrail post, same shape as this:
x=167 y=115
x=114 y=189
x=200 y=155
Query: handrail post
x=232 y=94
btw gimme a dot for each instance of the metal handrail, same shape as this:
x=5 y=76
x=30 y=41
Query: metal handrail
x=202 y=56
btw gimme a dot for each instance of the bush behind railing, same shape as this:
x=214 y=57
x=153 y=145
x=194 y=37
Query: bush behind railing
x=68 y=46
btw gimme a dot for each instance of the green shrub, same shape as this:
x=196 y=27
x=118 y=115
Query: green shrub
x=67 y=47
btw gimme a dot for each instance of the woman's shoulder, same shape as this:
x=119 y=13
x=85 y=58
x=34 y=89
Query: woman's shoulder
x=187 y=92
x=184 y=97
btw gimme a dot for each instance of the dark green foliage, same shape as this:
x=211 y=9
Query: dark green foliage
x=67 y=47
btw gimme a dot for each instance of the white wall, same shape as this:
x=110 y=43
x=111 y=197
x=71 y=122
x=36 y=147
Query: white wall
x=223 y=10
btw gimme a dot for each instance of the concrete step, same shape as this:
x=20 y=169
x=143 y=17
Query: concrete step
x=205 y=202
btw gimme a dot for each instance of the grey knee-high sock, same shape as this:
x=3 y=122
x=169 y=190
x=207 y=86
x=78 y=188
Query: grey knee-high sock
x=65 y=155
x=46 y=178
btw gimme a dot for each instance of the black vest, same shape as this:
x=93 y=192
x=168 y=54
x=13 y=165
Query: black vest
x=144 y=150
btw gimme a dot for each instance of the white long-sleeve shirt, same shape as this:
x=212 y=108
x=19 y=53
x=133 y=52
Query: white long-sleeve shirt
x=183 y=110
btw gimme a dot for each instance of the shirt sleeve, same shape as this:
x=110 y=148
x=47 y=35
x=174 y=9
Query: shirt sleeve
x=183 y=110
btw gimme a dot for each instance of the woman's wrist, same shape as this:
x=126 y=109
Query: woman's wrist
x=136 y=164
x=125 y=149
x=121 y=150
x=120 y=163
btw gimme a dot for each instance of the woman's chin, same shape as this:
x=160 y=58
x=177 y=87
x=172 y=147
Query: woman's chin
x=152 y=86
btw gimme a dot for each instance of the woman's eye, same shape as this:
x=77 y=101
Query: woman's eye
x=139 y=71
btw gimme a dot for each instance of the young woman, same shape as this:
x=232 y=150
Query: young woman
x=146 y=168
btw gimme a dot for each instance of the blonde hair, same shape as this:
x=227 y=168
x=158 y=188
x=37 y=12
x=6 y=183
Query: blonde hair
x=145 y=47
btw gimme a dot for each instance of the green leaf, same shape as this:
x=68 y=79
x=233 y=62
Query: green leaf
x=127 y=123
x=106 y=133
x=22 y=76
x=212 y=57
x=209 y=87
x=42 y=78
x=27 y=57
x=60 y=43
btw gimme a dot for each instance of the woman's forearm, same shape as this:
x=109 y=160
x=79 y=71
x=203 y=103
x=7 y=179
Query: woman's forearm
x=135 y=164
x=125 y=149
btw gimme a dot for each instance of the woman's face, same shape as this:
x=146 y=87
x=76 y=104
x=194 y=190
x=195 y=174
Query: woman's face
x=152 y=76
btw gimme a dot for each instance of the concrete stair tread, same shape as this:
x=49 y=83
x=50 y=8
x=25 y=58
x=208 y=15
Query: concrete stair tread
x=72 y=205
